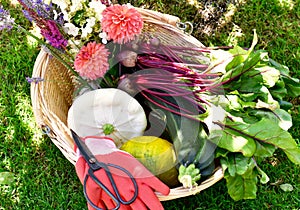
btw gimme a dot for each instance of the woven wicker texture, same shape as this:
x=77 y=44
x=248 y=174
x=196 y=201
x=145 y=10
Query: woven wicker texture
x=52 y=98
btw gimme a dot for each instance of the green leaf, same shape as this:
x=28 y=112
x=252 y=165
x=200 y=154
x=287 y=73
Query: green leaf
x=264 y=150
x=251 y=82
x=233 y=139
x=278 y=91
x=264 y=179
x=78 y=17
x=254 y=41
x=236 y=61
x=248 y=97
x=292 y=85
x=6 y=178
x=284 y=70
x=254 y=58
x=285 y=105
x=277 y=137
x=270 y=75
x=242 y=186
x=286 y=187
x=266 y=97
x=237 y=164
x=237 y=50
x=244 y=77
x=278 y=116
x=241 y=137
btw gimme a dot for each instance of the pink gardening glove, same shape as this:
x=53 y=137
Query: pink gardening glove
x=104 y=149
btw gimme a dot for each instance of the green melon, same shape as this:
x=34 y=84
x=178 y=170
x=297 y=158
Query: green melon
x=157 y=155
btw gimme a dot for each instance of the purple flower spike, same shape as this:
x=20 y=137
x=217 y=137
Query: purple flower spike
x=34 y=79
x=53 y=35
x=6 y=22
x=42 y=10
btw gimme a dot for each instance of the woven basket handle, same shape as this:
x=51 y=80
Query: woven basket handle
x=166 y=18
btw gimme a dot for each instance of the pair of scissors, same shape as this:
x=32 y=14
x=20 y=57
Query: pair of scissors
x=95 y=165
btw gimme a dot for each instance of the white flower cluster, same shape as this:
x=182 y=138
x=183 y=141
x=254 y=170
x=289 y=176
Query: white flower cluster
x=81 y=20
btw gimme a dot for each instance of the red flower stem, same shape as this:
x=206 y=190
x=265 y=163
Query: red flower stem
x=168 y=91
x=187 y=95
x=172 y=56
x=171 y=104
x=168 y=109
x=199 y=49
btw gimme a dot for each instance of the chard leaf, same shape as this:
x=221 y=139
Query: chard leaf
x=264 y=179
x=262 y=105
x=280 y=138
x=234 y=102
x=242 y=186
x=219 y=60
x=292 y=85
x=244 y=77
x=254 y=41
x=237 y=71
x=284 y=70
x=254 y=58
x=278 y=116
x=285 y=105
x=270 y=75
x=236 y=163
x=237 y=50
x=242 y=137
x=236 y=61
x=251 y=82
x=264 y=150
x=266 y=97
x=232 y=139
x=249 y=97
x=279 y=91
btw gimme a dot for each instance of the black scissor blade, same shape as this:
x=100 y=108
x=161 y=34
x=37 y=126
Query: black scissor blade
x=85 y=151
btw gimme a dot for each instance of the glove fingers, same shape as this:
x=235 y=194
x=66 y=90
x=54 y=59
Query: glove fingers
x=93 y=191
x=157 y=185
x=100 y=204
x=109 y=203
x=80 y=168
x=149 y=198
x=138 y=204
x=127 y=192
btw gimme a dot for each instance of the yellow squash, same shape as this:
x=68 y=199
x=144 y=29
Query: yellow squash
x=155 y=154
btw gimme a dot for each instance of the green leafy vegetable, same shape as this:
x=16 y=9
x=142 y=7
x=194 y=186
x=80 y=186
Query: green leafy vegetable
x=189 y=175
x=257 y=123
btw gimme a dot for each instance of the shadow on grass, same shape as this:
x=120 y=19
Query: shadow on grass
x=44 y=179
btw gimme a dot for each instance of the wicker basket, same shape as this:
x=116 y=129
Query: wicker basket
x=52 y=98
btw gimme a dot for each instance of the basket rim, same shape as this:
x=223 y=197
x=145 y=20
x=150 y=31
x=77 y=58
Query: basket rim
x=61 y=136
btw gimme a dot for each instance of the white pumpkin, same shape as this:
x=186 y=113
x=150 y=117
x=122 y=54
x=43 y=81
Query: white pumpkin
x=107 y=112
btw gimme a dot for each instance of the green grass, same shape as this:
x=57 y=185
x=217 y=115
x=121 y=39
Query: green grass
x=42 y=178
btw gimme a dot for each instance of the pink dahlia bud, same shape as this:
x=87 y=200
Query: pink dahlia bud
x=92 y=61
x=121 y=23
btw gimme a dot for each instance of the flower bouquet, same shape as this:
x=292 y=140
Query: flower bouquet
x=222 y=109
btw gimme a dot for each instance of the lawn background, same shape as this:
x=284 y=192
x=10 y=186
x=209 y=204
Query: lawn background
x=35 y=175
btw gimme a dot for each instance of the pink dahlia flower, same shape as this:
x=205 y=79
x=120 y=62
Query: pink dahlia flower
x=92 y=61
x=121 y=23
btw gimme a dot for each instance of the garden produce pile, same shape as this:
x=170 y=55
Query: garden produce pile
x=212 y=105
